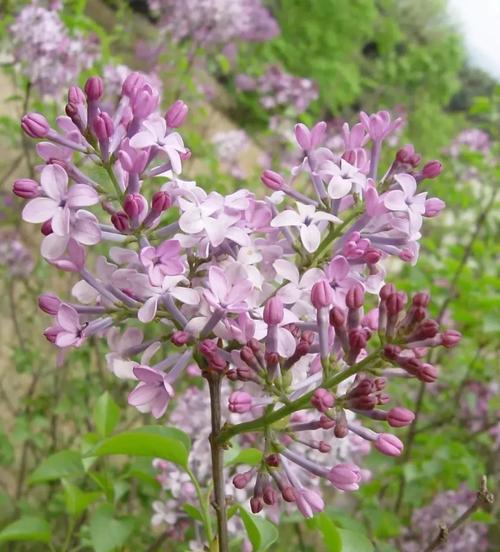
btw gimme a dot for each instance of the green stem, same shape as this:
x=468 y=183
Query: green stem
x=334 y=233
x=204 y=506
x=112 y=176
x=298 y=404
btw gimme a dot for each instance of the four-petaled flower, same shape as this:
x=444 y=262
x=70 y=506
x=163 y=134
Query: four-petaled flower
x=153 y=393
x=405 y=200
x=155 y=134
x=162 y=261
x=306 y=218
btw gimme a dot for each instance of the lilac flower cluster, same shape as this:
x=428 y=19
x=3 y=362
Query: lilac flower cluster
x=277 y=90
x=49 y=57
x=15 y=258
x=284 y=297
x=228 y=147
x=446 y=508
x=216 y=22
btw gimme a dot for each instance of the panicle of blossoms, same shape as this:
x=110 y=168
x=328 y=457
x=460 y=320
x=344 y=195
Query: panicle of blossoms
x=278 y=89
x=473 y=139
x=15 y=258
x=47 y=54
x=216 y=22
x=228 y=146
x=268 y=293
x=445 y=508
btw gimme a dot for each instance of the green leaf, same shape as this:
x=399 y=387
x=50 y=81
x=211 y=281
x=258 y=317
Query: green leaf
x=261 y=532
x=66 y=463
x=28 y=528
x=77 y=501
x=106 y=415
x=161 y=442
x=330 y=532
x=106 y=532
x=354 y=542
x=192 y=512
x=250 y=456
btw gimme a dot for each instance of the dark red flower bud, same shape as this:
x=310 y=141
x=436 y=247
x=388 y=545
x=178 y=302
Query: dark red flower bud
x=355 y=297
x=337 y=317
x=120 y=221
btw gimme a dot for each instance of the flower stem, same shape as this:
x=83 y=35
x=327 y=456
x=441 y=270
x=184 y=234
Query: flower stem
x=217 y=448
x=302 y=402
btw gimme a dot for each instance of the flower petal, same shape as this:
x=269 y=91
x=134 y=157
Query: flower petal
x=310 y=237
x=39 y=209
x=54 y=182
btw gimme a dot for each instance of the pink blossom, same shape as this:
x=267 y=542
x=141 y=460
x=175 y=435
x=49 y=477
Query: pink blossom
x=162 y=261
x=155 y=133
x=153 y=393
x=306 y=218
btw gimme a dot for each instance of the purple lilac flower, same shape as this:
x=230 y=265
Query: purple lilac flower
x=49 y=57
x=268 y=293
x=446 y=507
x=213 y=22
x=278 y=90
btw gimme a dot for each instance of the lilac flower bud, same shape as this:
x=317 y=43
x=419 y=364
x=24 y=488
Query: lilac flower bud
x=303 y=136
x=241 y=480
x=103 y=126
x=46 y=228
x=288 y=494
x=76 y=95
x=357 y=339
x=256 y=505
x=322 y=399
x=396 y=303
x=355 y=297
x=386 y=290
x=270 y=496
x=273 y=460
x=240 y=402
x=389 y=444
x=161 y=202
x=400 y=417
x=405 y=153
x=415 y=160
x=180 y=338
x=450 y=338
x=176 y=114
x=391 y=351
x=428 y=373
x=273 y=180
x=341 y=428
x=133 y=205
x=120 y=221
x=337 y=317
x=272 y=359
x=324 y=447
x=73 y=113
x=345 y=477
x=94 y=88
x=273 y=311
x=326 y=423
x=433 y=206
x=372 y=256
x=318 y=133
x=49 y=303
x=432 y=169
x=426 y=330
x=35 y=125
x=132 y=83
x=145 y=101
x=421 y=299
x=26 y=188
x=321 y=294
